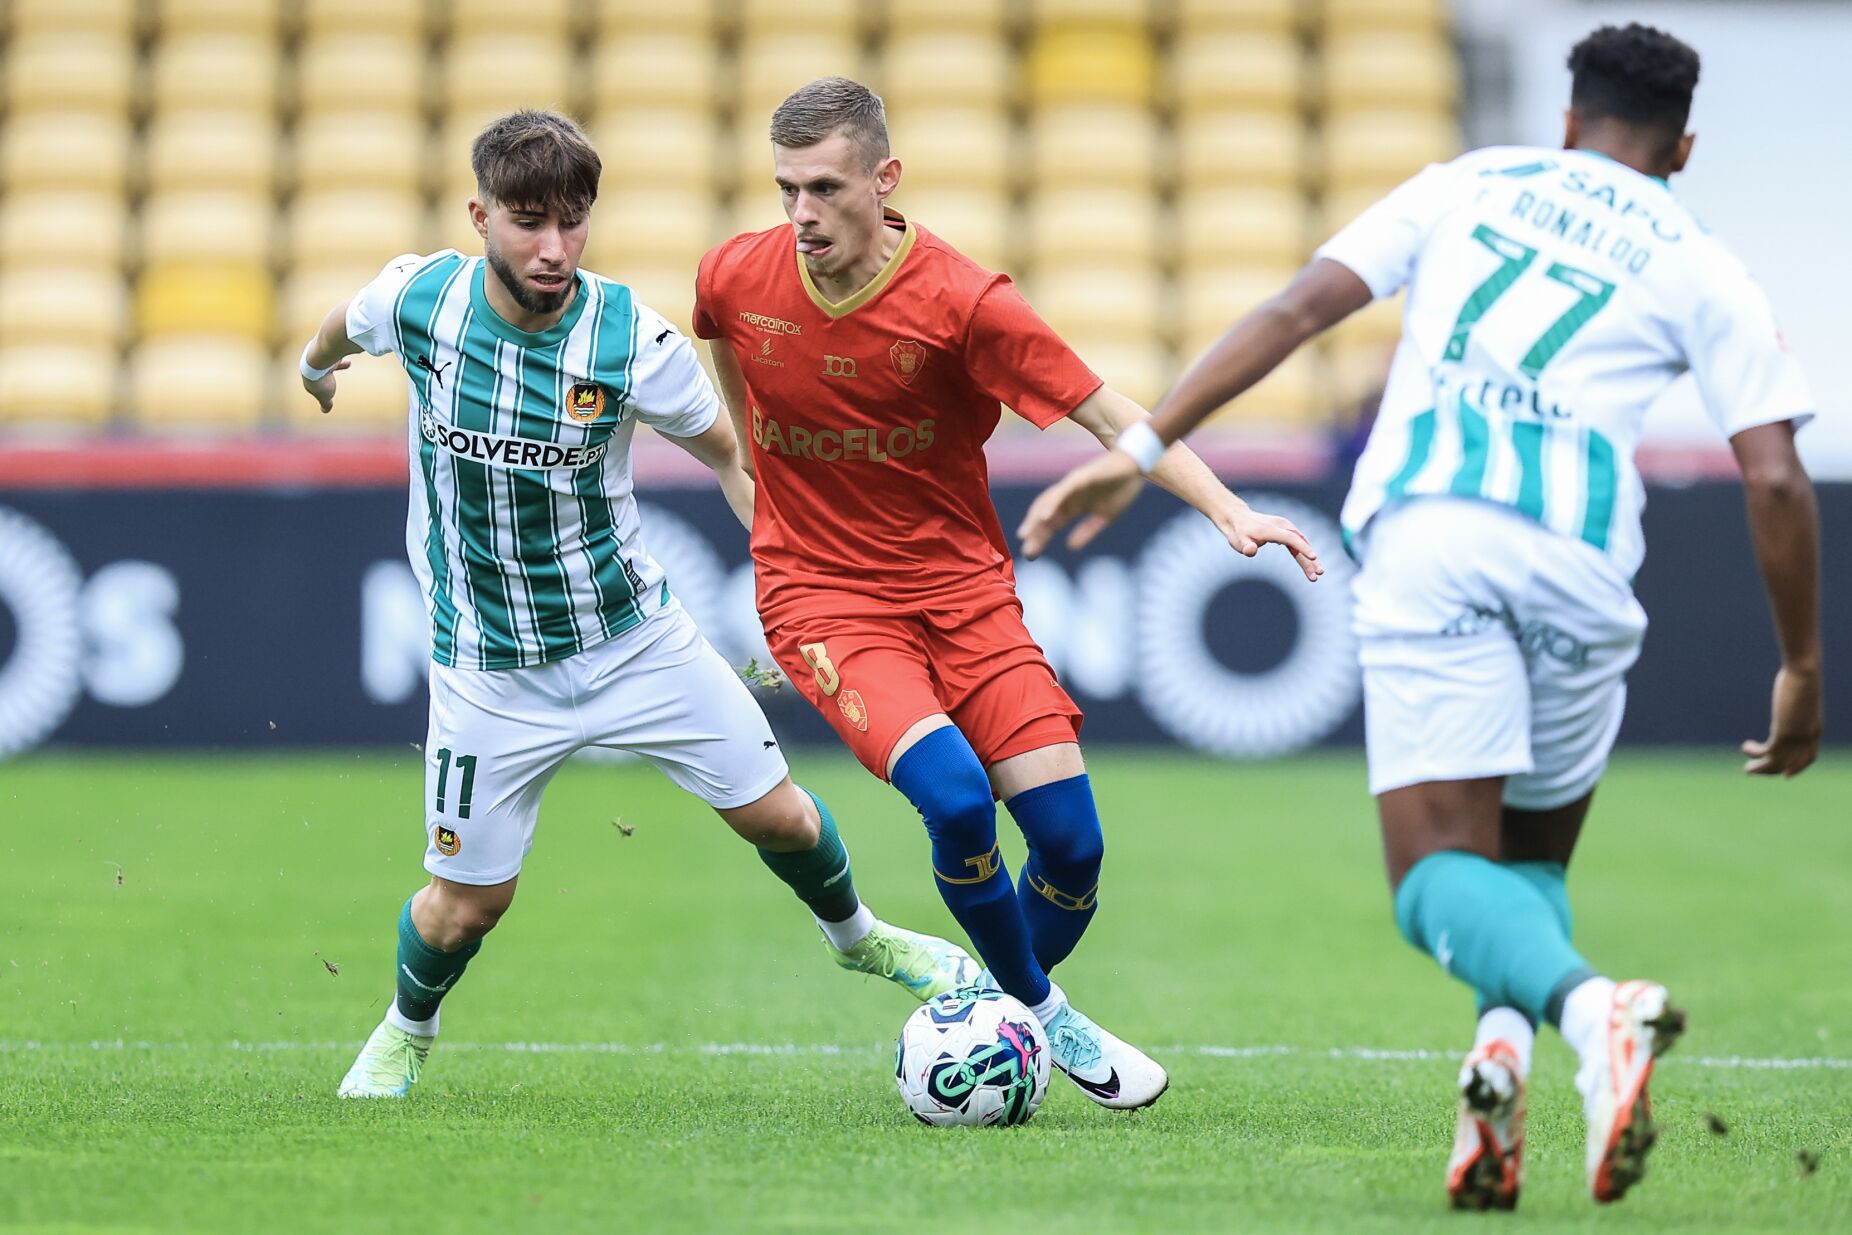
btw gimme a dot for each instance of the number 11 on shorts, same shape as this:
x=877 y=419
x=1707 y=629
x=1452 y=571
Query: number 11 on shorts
x=466 y=769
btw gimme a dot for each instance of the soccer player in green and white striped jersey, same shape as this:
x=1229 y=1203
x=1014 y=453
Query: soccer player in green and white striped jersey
x=1552 y=295
x=552 y=628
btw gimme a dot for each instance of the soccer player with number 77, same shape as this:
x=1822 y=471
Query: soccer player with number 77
x=1552 y=296
x=866 y=360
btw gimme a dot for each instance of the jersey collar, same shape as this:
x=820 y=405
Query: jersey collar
x=499 y=326
x=842 y=308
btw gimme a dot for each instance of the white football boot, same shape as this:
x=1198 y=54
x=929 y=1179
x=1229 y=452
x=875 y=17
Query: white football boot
x=1487 y=1167
x=388 y=1065
x=1642 y=1025
x=1111 y=1072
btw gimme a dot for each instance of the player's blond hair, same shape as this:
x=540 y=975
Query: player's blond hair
x=832 y=105
x=537 y=159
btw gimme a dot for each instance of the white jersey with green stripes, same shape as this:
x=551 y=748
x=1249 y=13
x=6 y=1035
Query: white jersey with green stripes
x=1552 y=296
x=523 y=526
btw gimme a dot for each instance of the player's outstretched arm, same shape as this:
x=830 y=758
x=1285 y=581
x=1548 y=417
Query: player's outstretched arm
x=326 y=355
x=732 y=385
x=1320 y=296
x=719 y=449
x=1784 y=524
x=1107 y=414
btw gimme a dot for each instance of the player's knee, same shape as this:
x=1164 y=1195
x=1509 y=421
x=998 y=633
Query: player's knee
x=942 y=777
x=1062 y=825
x=459 y=915
x=783 y=821
x=1080 y=848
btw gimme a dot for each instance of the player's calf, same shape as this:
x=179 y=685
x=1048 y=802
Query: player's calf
x=1060 y=882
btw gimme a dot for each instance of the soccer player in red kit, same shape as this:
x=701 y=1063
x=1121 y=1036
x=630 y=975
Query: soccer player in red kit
x=866 y=360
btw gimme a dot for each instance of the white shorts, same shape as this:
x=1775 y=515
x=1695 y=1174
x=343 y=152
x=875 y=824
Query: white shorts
x=497 y=736
x=1491 y=646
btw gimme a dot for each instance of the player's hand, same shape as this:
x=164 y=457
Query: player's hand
x=1247 y=530
x=323 y=387
x=1796 y=719
x=1100 y=490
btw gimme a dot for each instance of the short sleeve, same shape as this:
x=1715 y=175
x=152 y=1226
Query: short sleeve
x=1381 y=244
x=1745 y=373
x=1016 y=358
x=371 y=322
x=706 y=313
x=668 y=388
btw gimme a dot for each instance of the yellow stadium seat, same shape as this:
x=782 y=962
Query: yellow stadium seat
x=231 y=298
x=254 y=17
x=1101 y=297
x=1220 y=227
x=210 y=150
x=360 y=149
x=1083 y=64
x=753 y=212
x=671 y=148
x=634 y=69
x=776 y=17
x=748 y=164
x=694 y=17
x=64 y=150
x=198 y=382
x=1296 y=393
x=1194 y=17
x=772 y=65
x=664 y=227
x=976 y=222
x=63 y=229
x=500 y=72
x=68 y=385
x=989 y=17
x=229 y=71
x=447 y=226
x=1380 y=148
x=1211 y=298
x=1068 y=225
x=1240 y=148
x=371 y=396
x=1094 y=145
x=1359 y=371
x=1250 y=69
x=1123 y=14
x=947 y=68
x=209 y=226
x=667 y=288
x=78 y=71
x=953 y=147
x=1389 y=69
x=1420 y=15
x=63 y=306
x=372 y=72
x=403 y=18
x=1379 y=323
x=113 y=17
x=329 y=226
x=1141 y=369
x=305 y=297
x=551 y=18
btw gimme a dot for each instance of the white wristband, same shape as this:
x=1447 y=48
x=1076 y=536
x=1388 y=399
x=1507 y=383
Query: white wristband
x=308 y=370
x=1143 y=444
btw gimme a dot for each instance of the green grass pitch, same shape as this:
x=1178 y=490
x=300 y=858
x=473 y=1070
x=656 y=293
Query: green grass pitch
x=191 y=950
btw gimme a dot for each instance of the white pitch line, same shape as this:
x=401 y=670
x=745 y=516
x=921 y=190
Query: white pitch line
x=1365 y=1054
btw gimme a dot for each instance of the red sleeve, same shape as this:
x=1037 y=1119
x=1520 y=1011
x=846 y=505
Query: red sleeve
x=706 y=326
x=1017 y=359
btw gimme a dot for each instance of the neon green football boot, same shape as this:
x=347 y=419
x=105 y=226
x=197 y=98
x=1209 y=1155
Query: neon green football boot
x=388 y=1065
x=925 y=965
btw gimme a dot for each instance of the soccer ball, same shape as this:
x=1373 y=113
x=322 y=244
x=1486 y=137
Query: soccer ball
x=972 y=1058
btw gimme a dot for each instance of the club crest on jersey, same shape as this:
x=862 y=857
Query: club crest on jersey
x=909 y=358
x=585 y=401
x=853 y=709
x=447 y=842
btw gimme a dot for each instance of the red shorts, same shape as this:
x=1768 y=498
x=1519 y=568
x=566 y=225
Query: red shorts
x=872 y=678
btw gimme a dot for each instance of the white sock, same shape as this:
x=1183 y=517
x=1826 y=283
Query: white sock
x=422 y=1029
x=1046 y=1009
x=1507 y=1025
x=850 y=931
x=1585 y=1017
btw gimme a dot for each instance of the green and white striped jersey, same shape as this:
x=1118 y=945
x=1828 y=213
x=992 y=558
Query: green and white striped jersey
x=1553 y=295
x=523 y=526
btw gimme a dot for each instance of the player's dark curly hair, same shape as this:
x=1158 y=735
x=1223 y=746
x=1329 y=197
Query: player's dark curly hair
x=1635 y=74
x=536 y=160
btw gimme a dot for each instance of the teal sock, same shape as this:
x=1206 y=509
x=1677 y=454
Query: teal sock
x=1492 y=928
x=1549 y=878
x=820 y=875
x=426 y=975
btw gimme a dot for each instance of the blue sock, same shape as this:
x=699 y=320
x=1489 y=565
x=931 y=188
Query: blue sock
x=425 y=974
x=1491 y=928
x=942 y=777
x=1549 y=878
x=1061 y=878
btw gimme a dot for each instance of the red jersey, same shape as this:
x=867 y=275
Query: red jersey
x=869 y=416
